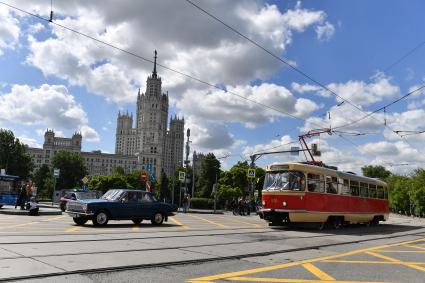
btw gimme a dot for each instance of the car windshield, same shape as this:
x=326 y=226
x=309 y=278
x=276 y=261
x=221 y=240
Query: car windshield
x=112 y=195
x=86 y=195
x=287 y=180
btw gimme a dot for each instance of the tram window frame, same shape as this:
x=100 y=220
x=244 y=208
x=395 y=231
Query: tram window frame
x=372 y=191
x=364 y=190
x=380 y=192
x=343 y=187
x=318 y=181
x=331 y=185
x=354 y=189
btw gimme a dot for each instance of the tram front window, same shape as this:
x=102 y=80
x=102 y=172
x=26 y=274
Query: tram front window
x=288 y=180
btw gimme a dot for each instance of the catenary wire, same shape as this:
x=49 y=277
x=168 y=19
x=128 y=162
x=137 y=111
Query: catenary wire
x=298 y=70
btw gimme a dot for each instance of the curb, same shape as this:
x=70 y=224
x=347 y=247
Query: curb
x=25 y=212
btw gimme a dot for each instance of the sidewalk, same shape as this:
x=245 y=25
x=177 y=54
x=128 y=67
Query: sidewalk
x=10 y=210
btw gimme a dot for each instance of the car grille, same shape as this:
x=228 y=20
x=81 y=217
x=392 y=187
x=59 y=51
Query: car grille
x=75 y=207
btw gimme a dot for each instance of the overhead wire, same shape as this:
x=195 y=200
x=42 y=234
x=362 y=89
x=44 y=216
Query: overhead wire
x=158 y=64
x=298 y=70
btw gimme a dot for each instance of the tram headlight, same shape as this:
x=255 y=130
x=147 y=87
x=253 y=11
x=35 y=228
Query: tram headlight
x=284 y=203
x=263 y=202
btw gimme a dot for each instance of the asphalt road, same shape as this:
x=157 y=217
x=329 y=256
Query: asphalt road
x=208 y=248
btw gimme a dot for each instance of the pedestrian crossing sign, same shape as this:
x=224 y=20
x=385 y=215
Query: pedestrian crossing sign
x=182 y=176
x=251 y=173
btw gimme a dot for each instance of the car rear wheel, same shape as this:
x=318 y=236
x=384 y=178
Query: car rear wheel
x=157 y=219
x=101 y=218
x=137 y=221
x=79 y=220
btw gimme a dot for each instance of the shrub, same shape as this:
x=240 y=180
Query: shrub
x=202 y=203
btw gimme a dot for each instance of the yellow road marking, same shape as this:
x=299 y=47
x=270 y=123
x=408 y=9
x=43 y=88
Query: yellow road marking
x=74 y=229
x=19 y=225
x=289 y=264
x=416 y=247
x=55 y=218
x=397 y=261
x=400 y=251
x=175 y=221
x=244 y=222
x=369 y=261
x=211 y=222
x=284 y=280
x=318 y=272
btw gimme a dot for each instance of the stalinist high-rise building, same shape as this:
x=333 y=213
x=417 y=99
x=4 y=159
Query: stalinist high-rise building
x=155 y=145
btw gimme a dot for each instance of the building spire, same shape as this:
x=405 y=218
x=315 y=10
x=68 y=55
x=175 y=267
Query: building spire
x=154 y=66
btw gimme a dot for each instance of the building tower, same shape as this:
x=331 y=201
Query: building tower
x=175 y=145
x=151 y=124
x=125 y=139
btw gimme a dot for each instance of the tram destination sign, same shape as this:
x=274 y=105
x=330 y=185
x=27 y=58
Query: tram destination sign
x=279 y=167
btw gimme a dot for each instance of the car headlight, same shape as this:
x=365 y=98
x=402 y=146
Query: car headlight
x=263 y=202
x=85 y=207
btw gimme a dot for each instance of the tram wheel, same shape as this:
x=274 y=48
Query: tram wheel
x=337 y=222
x=322 y=226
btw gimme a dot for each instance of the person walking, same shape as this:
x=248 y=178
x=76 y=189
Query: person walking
x=185 y=202
x=21 y=197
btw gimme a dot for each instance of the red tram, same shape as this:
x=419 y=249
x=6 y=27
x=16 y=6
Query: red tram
x=303 y=193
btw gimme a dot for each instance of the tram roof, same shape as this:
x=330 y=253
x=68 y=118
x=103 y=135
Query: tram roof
x=327 y=170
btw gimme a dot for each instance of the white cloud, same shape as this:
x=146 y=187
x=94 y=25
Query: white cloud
x=182 y=44
x=325 y=32
x=9 y=30
x=226 y=107
x=50 y=106
x=29 y=141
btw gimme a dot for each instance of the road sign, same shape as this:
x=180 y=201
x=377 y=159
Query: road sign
x=182 y=176
x=295 y=150
x=56 y=173
x=251 y=173
x=149 y=168
x=84 y=187
x=85 y=180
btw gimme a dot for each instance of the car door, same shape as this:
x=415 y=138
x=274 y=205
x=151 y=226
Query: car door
x=131 y=205
x=147 y=205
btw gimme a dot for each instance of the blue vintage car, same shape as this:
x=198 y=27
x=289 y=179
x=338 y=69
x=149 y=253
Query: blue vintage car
x=120 y=205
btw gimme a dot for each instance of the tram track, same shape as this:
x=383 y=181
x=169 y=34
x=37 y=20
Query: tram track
x=197 y=261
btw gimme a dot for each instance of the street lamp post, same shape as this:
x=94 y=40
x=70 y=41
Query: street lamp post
x=215 y=193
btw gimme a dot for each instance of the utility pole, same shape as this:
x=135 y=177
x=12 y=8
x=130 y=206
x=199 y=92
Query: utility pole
x=186 y=162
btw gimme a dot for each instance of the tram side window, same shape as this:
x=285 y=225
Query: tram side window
x=315 y=183
x=372 y=191
x=344 y=188
x=363 y=190
x=331 y=185
x=380 y=192
x=385 y=192
x=354 y=188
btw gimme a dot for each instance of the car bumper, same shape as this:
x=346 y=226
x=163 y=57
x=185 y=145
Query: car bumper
x=76 y=214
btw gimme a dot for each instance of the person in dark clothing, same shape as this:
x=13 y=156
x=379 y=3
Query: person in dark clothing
x=20 y=200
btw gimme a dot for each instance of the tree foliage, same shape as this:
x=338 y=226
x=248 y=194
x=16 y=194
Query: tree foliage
x=375 y=172
x=71 y=167
x=14 y=156
x=210 y=169
x=43 y=178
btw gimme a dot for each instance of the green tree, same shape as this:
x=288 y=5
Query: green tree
x=72 y=169
x=399 y=187
x=376 y=172
x=210 y=169
x=119 y=170
x=418 y=192
x=14 y=156
x=43 y=178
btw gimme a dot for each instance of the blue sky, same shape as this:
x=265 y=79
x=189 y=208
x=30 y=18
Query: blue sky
x=51 y=78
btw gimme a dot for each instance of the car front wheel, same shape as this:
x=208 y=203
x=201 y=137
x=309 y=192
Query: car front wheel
x=79 y=220
x=101 y=218
x=157 y=219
